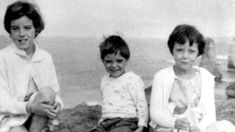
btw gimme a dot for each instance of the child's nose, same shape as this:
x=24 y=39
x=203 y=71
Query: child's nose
x=114 y=64
x=22 y=32
x=185 y=54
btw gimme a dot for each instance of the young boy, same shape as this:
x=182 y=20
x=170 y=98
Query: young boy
x=124 y=106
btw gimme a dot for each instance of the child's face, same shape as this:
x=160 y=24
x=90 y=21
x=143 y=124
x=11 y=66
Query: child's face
x=23 y=33
x=115 y=64
x=185 y=55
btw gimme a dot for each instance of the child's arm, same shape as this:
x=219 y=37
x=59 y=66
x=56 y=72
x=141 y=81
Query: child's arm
x=159 y=109
x=141 y=103
x=208 y=101
x=54 y=82
x=9 y=105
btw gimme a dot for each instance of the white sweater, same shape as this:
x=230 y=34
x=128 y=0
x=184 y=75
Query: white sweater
x=160 y=108
x=15 y=71
x=124 y=97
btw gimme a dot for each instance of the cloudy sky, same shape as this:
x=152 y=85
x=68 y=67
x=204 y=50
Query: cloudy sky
x=133 y=18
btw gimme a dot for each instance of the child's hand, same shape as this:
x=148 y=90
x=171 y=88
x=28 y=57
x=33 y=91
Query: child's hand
x=140 y=129
x=39 y=108
x=182 y=124
x=54 y=112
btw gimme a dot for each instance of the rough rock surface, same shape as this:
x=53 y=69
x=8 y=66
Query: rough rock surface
x=230 y=90
x=83 y=118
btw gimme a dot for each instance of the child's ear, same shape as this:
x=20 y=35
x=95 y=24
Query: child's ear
x=10 y=35
x=36 y=34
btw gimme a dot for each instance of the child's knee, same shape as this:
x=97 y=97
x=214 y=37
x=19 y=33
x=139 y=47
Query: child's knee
x=47 y=95
x=18 y=129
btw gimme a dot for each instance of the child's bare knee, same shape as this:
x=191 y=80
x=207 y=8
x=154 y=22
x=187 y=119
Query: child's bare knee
x=47 y=94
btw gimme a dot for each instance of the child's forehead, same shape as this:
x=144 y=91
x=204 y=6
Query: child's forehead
x=21 y=17
x=114 y=54
x=187 y=43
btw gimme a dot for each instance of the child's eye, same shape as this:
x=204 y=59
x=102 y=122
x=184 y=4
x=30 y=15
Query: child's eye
x=120 y=61
x=107 y=61
x=192 y=51
x=28 y=27
x=14 y=28
x=179 y=50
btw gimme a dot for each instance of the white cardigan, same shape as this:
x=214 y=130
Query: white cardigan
x=15 y=71
x=160 y=109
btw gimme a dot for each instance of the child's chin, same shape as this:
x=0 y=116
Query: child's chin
x=116 y=75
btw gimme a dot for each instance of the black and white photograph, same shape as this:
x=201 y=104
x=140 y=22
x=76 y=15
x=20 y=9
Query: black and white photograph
x=117 y=66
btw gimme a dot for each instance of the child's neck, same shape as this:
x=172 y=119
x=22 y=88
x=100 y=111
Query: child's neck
x=184 y=74
x=30 y=52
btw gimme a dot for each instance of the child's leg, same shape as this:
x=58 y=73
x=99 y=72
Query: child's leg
x=125 y=125
x=46 y=95
x=18 y=129
x=122 y=129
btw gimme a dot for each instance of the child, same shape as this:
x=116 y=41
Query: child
x=124 y=106
x=182 y=96
x=28 y=81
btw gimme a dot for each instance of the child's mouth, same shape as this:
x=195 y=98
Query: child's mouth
x=114 y=70
x=22 y=41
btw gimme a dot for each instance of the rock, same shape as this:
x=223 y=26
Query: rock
x=230 y=63
x=83 y=118
x=225 y=109
x=209 y=61
x=230 y=90
x=231 y=56
x=230 y=93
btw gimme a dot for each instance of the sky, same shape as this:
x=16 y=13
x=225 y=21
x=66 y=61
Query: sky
x=132 y=18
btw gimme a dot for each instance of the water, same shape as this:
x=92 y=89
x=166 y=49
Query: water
x=79 y=67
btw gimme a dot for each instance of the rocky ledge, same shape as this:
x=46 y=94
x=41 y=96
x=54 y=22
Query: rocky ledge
x=82 y=118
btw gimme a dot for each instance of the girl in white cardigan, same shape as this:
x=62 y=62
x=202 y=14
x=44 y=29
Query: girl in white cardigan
x=29 y=89
x=182 y=96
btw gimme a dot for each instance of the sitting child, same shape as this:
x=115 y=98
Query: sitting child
x=182 y=97
x=28 y=83
x=124 y=106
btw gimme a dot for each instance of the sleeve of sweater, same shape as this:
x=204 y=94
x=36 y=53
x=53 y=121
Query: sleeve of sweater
x=141 y=103
x=159 y=107
x=54 y=81
x=208 y=100
x=9 y=105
